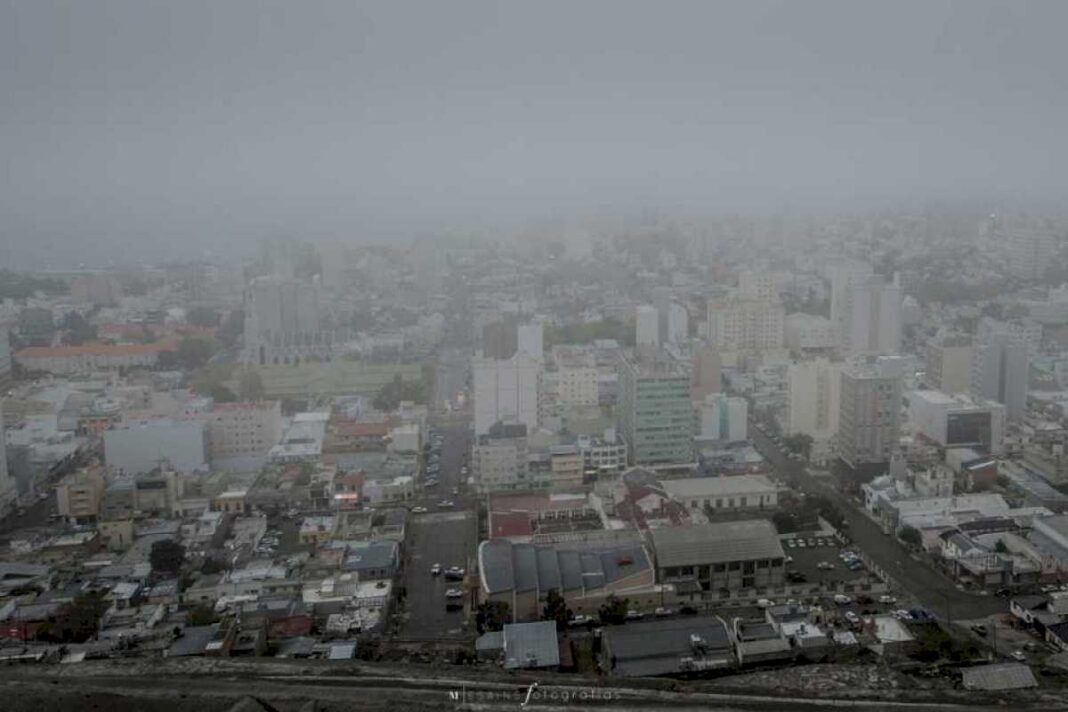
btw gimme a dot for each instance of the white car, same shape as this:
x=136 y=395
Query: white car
x=419 y=510
x=765 y=603
x=825 y=566
x=664 y=612
x=580 y=620
x=887 y=598
x=842 y=600
x=633 y=615
x=454 y=572
x=454 y=593
x=1019 y=656
x=852 y=617
x=445 y=503
x=435 y=570
x=902 y=615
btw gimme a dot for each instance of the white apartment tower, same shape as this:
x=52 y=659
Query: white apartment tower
x=647 y=327
x=506 y=391
x=871 y=316
x=746 y=325
x=812 y=399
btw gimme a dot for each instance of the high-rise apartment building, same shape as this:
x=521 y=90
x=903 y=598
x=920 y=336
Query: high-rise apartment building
x=657 y=416
x=746 y=325
x=812 y=399
x=506 y=391
x=647 y=328
x=530 y=339
x=1001 y=368
x=705 y=373
x=724 y=418
x=871 y=316
x=949 y=363
x=1030 y=252
x=678 y=323
x=869 y=411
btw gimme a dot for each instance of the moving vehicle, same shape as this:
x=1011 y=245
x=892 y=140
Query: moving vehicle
x=664 y=612
x=887 y=598
x=1019 y=656
x=454 y=573
x=581 y=620
x=825 y=566
x=852 y=617
x=842 y=600
x=979 y=629
x=419 y=510
x=445 y=503
x=435 y=570
x=454 y=593
x=765 y=603
x=633 y=615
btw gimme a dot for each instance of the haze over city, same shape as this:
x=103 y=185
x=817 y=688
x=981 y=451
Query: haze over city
x=473 y=355
x=131 y=126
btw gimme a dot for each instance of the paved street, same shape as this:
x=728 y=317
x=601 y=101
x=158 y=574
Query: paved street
x=936 y=592
x=445 y=537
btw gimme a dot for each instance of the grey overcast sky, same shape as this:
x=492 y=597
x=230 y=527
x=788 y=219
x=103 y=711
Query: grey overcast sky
x=132 y=125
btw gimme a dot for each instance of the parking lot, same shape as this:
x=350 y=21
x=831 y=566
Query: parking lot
x=448 y=539
x=812 y=561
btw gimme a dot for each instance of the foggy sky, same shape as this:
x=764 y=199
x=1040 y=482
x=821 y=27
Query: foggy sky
x=129 y=125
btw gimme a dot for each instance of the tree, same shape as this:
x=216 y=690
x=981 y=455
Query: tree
x=397 y=390
x=1000 y=547
x=166 y=557
x=910 y=536
x=492 y=615
x=202 y=316
x=77 y=621
x=614 y=610
x=202 y=614
x=801 y=443
x=556 y=609
x=232 y=328
x=78 y=329
x=250 y=387
x=194 y=352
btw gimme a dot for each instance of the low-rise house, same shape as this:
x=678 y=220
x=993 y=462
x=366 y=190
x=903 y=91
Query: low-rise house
x=758 y=641
x=999 y=676
x=523 y=645
x=15 y=575
x=192 y=641
x=317 y=530
x=724 y=557
x=376 y=559
x=674 y=646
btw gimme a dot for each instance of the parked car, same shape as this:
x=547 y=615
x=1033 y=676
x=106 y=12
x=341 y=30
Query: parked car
x=842 y=600
x=633 y=615
x=1019 y=656
x=445 y=503
x=664 y=612
x=454 y=573
x=852 y=617
x=887 y=598
x=582 y=620
x=865 y=600
x=435 y=570
x=454 y=593
x=419 y=510
x=765 y=603
x=902 y=615
x=825 y=566
x=979 y=629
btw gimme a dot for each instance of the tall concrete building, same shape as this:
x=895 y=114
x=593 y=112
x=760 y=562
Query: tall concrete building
x=957 y=420
x=506 y=391
x=949 y=363
x=705 y=373
x=530 y=339
x=678 y=323
x=1030 y=252
x=869 y=412
x=500 y=339
x=843 y=277
x=812 y=399
x=8 y=490
x=746 y=325
x=871 y=316
x=282 y=321
x=758 y=285
x=647 y=328
x=5 y=355
x=1001 y=368
x=657 y=416
x=724 y=418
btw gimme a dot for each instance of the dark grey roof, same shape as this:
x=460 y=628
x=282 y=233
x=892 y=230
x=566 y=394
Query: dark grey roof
x=1030 y=603
x=495 y=563
x=193 y=641
x=371 y=555
x=530 y=645
x=657 y=647
x=489 y=642
x=714 y=543
x=569 y=566
x=1002 y=676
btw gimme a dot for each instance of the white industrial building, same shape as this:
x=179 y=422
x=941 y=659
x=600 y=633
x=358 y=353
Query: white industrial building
x=957 y=420
x=243 y=430
x=142 y=447
x=724 y=493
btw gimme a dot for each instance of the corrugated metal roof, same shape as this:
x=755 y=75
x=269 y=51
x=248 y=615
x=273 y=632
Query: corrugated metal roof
x=721 y=542
x=1002 y=676
x=528 y=645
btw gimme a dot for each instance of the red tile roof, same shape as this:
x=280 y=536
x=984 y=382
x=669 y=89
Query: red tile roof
x=96 y=348
x=509 y=524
